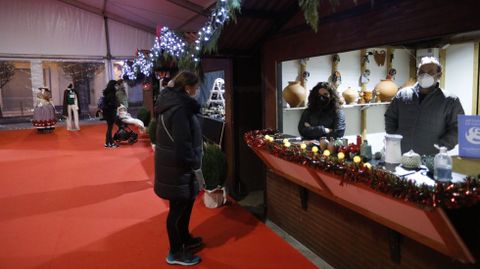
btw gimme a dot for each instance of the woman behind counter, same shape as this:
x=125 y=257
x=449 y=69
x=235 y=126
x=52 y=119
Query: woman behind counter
x=324 y=116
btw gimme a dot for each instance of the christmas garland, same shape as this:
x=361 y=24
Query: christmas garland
x=186 y=56
x=447 y=195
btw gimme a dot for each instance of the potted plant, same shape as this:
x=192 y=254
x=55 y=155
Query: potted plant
x=214 y=168
x=152 y=132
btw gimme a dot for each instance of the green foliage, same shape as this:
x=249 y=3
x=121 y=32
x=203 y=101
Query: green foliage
x=144 y=115
x=310 y=12
x=152 y=131
x=233 y=7
x=214 y=166
x=211 y=47
x=187 y=63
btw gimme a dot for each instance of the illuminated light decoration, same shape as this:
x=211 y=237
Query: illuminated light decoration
x=142 y=64
x=170 y=43
x=156 y=50
x=217 y=19
x=128 y=71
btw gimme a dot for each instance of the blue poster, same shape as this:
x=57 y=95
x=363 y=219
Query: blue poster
x=469 y=136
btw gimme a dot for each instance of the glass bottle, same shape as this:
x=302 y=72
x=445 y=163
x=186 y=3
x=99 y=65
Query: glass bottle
x=442 y=166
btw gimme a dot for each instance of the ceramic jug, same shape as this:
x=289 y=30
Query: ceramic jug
x=393 y=149
x=386 y=90
x=294 y=94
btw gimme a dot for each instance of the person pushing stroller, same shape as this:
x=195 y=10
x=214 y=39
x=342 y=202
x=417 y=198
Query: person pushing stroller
x=125 y=117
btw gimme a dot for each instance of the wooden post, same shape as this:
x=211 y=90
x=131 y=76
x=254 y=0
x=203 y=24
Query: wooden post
x=363 y=112
x=443 y=59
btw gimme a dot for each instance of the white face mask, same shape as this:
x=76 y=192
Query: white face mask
x=426 y=81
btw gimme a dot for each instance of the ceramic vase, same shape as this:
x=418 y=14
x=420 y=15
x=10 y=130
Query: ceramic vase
x=294 y=94
x=386 y=90
x=350 y=95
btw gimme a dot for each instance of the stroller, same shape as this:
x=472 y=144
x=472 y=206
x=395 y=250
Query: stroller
x=124 y=133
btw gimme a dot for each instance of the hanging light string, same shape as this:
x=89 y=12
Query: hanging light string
x=218 y=18
x=169 y=42
x=143 y=63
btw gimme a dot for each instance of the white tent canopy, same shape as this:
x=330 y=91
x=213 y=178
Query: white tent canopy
x=49 y=28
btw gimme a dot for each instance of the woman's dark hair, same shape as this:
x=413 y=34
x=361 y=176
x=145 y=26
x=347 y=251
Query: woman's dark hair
x=110 y=86
x=313 y=96
x=185 y=78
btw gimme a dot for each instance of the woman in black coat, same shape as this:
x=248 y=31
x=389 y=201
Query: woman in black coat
x=324 y=116
x=109 y=111
x=178 y=154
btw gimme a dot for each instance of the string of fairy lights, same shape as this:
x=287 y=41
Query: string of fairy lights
x=169 y=42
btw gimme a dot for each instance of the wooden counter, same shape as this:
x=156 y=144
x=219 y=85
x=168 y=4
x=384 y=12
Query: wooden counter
x=431 y=228
x=466 y=166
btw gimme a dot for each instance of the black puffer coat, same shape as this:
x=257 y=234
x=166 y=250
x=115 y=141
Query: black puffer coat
x=110 y=104
x=175 y=160
x=319 y=120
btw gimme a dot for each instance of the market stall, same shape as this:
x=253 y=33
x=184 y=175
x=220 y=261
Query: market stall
x=417 y=211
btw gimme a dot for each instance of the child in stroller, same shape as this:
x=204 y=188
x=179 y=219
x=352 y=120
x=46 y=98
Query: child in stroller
x=124 y=132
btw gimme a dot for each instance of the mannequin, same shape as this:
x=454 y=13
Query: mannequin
x=70 y=108
x=44 y=118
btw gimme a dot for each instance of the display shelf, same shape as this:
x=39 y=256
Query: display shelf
x=294 y=108
x=367 y=105
x=362 y=106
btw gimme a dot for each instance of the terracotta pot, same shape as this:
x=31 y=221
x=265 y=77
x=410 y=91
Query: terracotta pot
x=294 y=94
x=386 y=90
x=350 y=95
x=367 y=96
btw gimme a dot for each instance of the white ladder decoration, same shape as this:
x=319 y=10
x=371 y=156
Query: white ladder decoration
x=216 y=97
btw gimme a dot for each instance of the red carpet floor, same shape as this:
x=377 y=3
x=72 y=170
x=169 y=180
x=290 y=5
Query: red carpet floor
x=68 y=203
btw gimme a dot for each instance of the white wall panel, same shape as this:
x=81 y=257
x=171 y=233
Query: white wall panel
x=124 y=39
x=47 y=27
x=459 y=73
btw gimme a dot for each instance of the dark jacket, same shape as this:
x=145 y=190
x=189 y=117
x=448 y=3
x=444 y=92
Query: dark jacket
x=423 y=124
x=175 y=160
x=319 y=120
x=65 y=105
x=110 y=104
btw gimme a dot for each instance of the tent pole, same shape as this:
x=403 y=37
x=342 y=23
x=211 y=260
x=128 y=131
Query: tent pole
x=107 y=38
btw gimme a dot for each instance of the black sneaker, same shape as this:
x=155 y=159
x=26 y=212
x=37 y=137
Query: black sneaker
x=193 y=243
x=182 y=258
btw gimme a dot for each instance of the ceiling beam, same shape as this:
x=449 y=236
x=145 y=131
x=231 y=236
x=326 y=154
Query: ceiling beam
x=109 y=15
x=261 y=14
x=190 y=6
x=207 y=10
x=281 y=20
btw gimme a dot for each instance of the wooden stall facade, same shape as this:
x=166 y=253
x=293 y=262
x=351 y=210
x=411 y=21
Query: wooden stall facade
x=349 y=227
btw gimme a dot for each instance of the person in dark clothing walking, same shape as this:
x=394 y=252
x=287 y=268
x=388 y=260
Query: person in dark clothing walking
x=178 y=156
x=324 y=116
x=109 y=111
